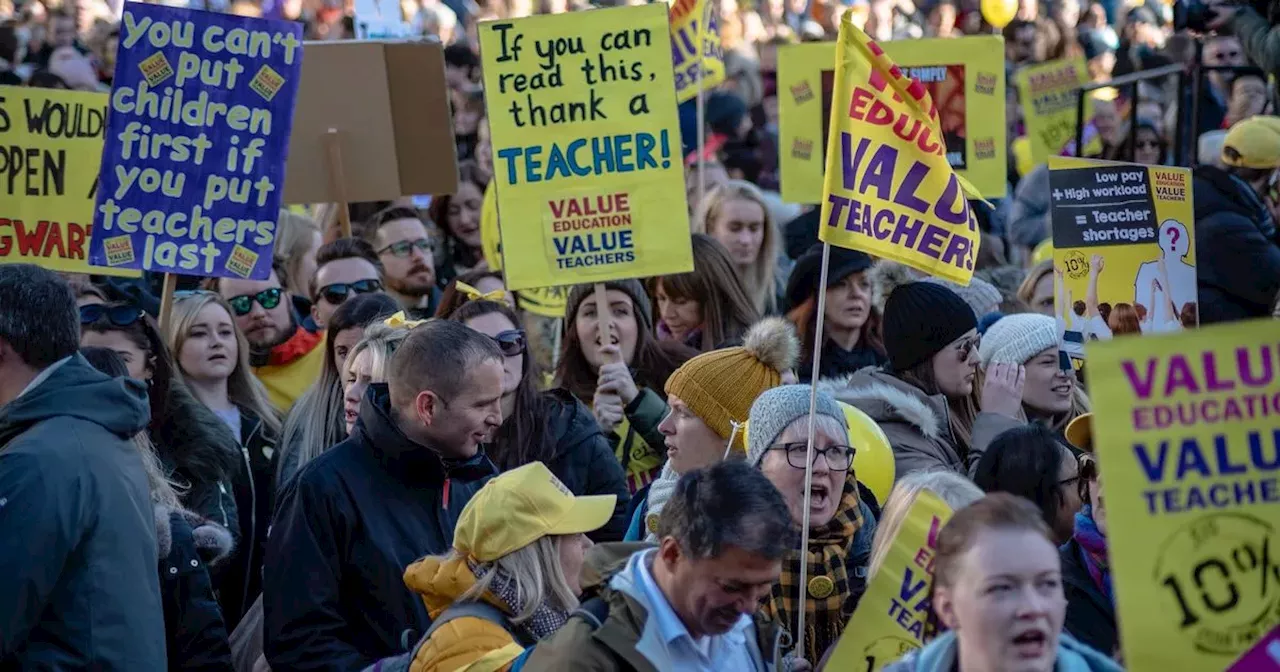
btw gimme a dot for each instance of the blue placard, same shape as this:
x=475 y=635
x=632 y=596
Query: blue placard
x=197 y=135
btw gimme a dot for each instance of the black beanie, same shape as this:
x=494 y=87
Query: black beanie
x=920 y=319
x=632 y=288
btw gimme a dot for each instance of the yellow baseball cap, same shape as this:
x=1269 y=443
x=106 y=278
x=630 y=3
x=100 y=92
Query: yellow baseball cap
x=521 y=506
x=1080 y=432
x=1253 y=143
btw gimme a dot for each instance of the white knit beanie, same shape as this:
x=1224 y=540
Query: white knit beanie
x=1016 y=338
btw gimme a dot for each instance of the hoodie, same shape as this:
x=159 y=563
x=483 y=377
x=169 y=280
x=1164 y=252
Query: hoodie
x=941 y=656
x=355 y=518
x=76 y=500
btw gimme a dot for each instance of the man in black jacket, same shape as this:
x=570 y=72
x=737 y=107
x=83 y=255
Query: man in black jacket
x=79 y=588
x=351 y=521
x=1237 y=252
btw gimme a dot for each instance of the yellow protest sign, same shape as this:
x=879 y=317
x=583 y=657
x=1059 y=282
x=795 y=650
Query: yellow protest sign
x=889 y=190
x=50 y=151
x=1048 y=93
x=1124 y=247
x=965 y=77
x=892 y=617
x=542 y=301
x=586 y=146
x=1187 y=430
x=695 y=47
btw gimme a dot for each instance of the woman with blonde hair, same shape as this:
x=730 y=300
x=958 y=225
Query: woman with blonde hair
x=952 y=488
x=1036 y=290
x=737 y=215
x=297 y=239
x=212 y=357
x=367 y=364
x=512 y=577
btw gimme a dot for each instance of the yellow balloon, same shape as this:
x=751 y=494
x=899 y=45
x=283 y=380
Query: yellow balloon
x=999 y=13
x=873 y=462
x=1043 y=251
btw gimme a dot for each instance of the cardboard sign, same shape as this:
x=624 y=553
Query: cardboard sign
x=1139 y=222
x=193 y=162
x=586 y=146
x=1048 y=93
x=1187 y=430
x=50 y=149
x=892 y=619
x=964 y=76
x=695 y=48
x=889 y=189
x=390 y=106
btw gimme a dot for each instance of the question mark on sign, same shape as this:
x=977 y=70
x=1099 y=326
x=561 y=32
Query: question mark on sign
x=1175 y=234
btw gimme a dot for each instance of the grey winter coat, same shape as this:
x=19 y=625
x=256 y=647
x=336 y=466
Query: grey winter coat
x=917 y=424
x=78 y=576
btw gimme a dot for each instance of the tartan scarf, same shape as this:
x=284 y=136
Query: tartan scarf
x=825 y=618
x=546 y=618
x=1094 y=544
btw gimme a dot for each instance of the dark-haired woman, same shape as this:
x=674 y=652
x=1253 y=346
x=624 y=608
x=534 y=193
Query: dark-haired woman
x=851 y=323
x=621 y=374
x=197 y=449
x=549 y=427
x=1030 y=462
x=458 y=216
x=707 y=307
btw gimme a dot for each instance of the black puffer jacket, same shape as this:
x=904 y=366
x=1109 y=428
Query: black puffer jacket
x=195 y=635
x=200 y=453
x=584 y=461
x=254 y=490
x=1237 y=256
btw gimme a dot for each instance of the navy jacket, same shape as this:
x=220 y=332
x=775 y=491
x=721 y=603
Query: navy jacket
x=78 y=577
x=195 y=632
x=345 y=529
x=1091 y=617
x=1237 y=255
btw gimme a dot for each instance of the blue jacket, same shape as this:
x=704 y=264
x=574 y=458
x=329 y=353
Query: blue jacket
x=940 y=656
x=345 y=529
x=78 y=578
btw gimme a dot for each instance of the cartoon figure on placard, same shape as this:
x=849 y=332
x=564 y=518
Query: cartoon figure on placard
x=1167 y=284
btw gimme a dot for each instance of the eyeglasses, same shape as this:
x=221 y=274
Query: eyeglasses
x=267 y=298
x=121 y=315
x=838 y=457
x=405 y=248
x=340 y=291
x=511 y=342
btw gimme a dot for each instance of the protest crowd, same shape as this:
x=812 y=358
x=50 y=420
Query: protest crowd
x=379 y=437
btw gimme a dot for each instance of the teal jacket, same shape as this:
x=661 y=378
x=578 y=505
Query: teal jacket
x=940 y=656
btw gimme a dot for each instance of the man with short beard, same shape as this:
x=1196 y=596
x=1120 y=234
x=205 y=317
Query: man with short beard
x=286 y=357
x=406 y=251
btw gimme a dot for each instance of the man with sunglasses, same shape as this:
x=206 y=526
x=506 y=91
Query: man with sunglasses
x=286 y=356
x=344 y=268
x=78 y=573
x=407 y=254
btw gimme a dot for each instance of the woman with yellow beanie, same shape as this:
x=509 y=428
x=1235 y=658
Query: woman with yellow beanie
x=710 y=397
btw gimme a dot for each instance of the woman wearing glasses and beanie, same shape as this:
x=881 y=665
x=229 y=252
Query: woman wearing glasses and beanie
x=841 y=525
x=551 y=427
x=924 y=398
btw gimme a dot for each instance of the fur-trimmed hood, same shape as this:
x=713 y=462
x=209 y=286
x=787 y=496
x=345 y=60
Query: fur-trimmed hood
x=212 y=541
x=889 y=399
x=193 y=440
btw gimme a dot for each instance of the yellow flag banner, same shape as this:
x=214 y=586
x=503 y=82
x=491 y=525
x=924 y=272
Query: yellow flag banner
x=892 y=618
x=889 y=190
x=696 y=53
x=1187 y=431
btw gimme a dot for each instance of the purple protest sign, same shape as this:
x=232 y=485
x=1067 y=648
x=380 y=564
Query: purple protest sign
x=197 y=135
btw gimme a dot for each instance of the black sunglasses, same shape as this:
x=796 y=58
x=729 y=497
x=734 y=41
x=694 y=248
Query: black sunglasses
x=120 y=315
x=267 y=298
x=340 y=291
x=510 y=342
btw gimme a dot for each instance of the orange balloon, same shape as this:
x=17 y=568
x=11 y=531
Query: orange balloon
x=999 y=13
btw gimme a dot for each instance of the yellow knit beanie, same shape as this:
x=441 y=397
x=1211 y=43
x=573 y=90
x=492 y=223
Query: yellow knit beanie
x=720 y=386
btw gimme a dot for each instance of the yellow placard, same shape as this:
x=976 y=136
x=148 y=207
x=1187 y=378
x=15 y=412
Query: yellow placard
x=1187 y=430
x=889 y=189
x=892 y=617
x=964 y=75
x=1048 y=93
x=693 y=23
x=542 y=301
x=50 y=151
x=1140 y=223
x=586 y=146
